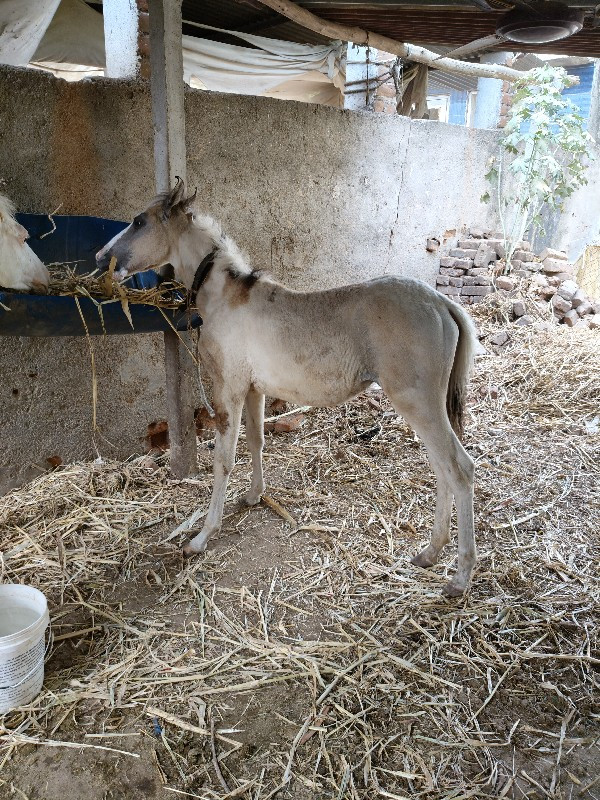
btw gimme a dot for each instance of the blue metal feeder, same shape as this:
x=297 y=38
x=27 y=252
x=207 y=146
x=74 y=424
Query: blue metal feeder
x=78 y=239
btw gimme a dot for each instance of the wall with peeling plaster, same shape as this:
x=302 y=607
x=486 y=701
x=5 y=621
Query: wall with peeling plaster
x=318 y=196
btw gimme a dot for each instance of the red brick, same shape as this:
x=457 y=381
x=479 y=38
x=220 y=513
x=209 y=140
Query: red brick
x=449 y=290
x=446 y=261
x=560 y=305
x=549 y=253
x=460 y=252
x=387 y=90
x=571 y=317
x=480 y=290
x=292 y=422
x=584 y=308
x=503 y=282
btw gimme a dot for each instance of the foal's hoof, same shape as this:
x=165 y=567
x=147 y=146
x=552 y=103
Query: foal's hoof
x=453 y=590
x=188 y=550
x=422 y=560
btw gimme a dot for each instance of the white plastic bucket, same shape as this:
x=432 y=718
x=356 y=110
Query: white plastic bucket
x=23 y=621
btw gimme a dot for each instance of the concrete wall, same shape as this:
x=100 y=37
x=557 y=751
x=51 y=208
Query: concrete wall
x=319 y=196
x=578 y=224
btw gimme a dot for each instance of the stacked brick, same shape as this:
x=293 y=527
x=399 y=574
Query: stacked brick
x=384 y=95
x=570 y=304
x=506 y=101
x=466 y=272
x=472 y=270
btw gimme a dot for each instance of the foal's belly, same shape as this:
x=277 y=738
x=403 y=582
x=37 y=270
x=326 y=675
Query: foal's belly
x=304 y=397
x=313 y=383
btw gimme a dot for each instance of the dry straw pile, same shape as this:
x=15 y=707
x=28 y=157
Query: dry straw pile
x=328 y=666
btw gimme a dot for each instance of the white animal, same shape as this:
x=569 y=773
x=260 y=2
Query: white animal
x=20 y=268
x=317 y=348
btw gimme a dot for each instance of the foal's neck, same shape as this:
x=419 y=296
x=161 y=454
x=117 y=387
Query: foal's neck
x=202 y=237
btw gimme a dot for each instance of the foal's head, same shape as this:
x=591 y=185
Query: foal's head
x=151 y=241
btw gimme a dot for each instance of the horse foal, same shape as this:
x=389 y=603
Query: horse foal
x=315 y=348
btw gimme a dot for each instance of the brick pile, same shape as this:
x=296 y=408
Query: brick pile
x=384 y=95
x=472 y=270
x=466 y=273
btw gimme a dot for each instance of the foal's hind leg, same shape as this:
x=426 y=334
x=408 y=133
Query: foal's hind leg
x=440 y=535
x=255 y=439
x=454 y=471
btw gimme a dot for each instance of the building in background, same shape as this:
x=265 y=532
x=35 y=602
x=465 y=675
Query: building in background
x=374 y=82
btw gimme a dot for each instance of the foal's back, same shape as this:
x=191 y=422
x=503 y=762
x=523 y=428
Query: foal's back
x=323 y=347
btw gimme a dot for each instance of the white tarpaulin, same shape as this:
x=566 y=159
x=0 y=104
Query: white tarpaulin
x=22 y=25
x=72 y=46
x=315 y=73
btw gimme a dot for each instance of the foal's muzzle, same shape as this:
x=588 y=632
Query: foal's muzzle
x=103 y=258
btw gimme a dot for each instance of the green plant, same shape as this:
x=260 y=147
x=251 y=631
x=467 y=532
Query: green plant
x=543 y=153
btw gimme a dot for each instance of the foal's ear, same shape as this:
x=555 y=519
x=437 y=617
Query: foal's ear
x=187 y=203
x=174 y=197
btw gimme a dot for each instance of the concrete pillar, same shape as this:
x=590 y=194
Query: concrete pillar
x=167 y=90
x=359 y=74
x=121 y=38
x=489 y=94
x=594 y=119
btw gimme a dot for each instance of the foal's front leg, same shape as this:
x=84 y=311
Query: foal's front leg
x=228 y=416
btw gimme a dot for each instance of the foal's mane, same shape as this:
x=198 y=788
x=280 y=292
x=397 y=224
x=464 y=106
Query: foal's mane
x=228 y=256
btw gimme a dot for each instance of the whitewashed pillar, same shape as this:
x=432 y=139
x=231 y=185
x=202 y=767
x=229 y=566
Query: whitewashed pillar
x=594 y=120
x=489 y=94
x=121 y=38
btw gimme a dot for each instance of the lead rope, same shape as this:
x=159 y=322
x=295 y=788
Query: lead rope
x=203 y=397
x=202 y=272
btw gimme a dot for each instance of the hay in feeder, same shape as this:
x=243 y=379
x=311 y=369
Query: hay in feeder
x=100 y=287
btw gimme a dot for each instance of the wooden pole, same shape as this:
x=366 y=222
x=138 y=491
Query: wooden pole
x=168 y=116
x=410 y=52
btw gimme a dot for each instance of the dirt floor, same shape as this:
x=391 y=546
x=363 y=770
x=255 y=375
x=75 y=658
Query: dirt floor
x=302 y=656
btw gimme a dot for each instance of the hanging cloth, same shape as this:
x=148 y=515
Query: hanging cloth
x=413 y=84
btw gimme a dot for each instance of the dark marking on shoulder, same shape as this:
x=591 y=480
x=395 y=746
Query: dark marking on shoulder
x=272 y=294
x=246 y=279
x=242 y=283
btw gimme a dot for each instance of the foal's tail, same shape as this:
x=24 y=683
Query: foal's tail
x=461 y=368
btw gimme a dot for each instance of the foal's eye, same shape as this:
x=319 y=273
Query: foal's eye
x=138 y=222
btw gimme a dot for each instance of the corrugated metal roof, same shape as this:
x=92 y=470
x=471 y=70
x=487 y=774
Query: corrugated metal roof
x=449 y=25
x=445 y=82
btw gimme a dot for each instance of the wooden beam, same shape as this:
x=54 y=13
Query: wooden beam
x=410 y=52
x=168 y=116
